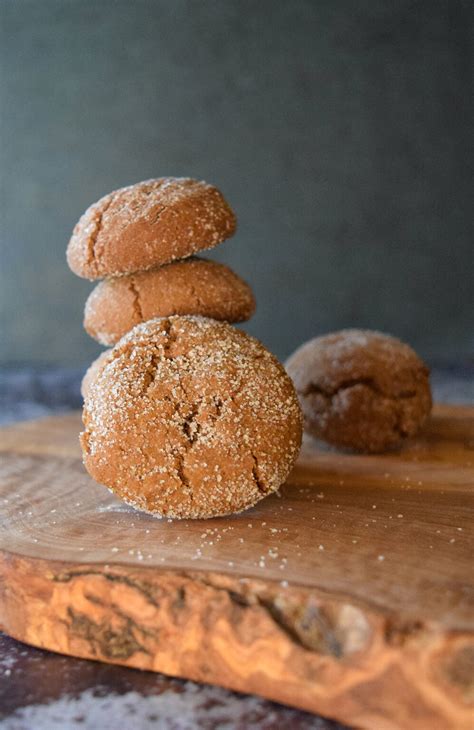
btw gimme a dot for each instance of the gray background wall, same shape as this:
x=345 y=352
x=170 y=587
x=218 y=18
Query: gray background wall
x=338 y=130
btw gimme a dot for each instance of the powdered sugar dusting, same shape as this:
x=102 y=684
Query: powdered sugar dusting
x=194 y=707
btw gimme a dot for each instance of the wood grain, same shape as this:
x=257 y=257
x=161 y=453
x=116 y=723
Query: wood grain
x=350 y=595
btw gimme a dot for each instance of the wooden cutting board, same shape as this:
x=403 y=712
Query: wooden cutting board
x=351 y=594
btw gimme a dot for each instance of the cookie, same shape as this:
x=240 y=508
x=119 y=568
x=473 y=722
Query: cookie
x=192 y=286
x=190 y=418
x=360 y=389
x=92 y=372
x=148 y=224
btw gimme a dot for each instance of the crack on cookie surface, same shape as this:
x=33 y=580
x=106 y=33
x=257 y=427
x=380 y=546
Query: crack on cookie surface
x=136 y=303
x=150 y=374
x=92 y=255
x=185 y=483
x=191 y=426
x=195 y=297
x=158 y=213
x=317 y=389
x=171 y=336
x=382 y=420
x=259 y=483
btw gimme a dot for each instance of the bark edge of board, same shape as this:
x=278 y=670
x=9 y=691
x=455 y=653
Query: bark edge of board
x=293 y=645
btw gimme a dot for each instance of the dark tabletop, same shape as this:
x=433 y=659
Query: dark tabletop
x=40 y=690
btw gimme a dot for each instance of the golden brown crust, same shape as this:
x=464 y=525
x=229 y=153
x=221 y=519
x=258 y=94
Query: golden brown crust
x=361 y=389
x=148 y=224
x=190 y=417
x=192 y=286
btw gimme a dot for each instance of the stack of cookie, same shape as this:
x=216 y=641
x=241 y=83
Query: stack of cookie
x=185 y=416
x=140 y=240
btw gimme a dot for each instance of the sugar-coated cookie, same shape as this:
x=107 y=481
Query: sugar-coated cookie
x=192 y=286
x=361 y=389
x=148 y=224
x=190 y=417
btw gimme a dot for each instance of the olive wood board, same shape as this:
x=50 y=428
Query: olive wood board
x=349 y=594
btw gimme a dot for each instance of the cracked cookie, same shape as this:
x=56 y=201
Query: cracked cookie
x=360 y=389
x=148 y=224
x=188 y=417
x=193 y=286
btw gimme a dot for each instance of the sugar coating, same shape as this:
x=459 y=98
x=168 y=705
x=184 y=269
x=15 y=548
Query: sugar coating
x=192 y=286
x=92 y=371
x=148 y=224
x=361 y=389
x=189 y=417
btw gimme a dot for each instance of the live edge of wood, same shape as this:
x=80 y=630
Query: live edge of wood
x=329 y=652
x=296 y=646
